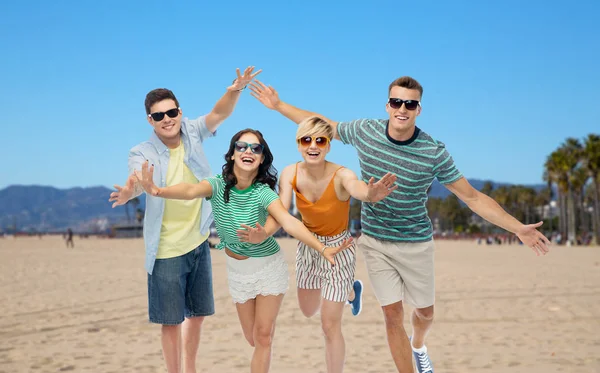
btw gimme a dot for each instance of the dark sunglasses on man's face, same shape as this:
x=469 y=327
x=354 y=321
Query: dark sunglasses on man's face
x=159 y=115
x=241 y=147
x=396 y=103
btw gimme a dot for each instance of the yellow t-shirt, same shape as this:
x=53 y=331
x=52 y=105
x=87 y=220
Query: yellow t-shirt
x=180 y=229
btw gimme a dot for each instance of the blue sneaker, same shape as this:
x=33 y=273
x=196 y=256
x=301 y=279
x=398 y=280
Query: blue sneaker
x=356 y=304
x=422 y=360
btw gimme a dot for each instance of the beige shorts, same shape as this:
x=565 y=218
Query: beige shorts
x=400 y=271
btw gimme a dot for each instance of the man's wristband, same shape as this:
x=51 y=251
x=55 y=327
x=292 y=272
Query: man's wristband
x=241 y=89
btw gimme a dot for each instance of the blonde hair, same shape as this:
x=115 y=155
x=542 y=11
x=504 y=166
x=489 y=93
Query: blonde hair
x=312 y=126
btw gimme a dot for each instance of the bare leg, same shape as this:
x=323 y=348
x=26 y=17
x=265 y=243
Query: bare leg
x=171 y=346
x=246 y=313
x=335 y=347
x=191 y=340
x=267 y=308
x=421 y=320
x=309 y=301
x=397 y=338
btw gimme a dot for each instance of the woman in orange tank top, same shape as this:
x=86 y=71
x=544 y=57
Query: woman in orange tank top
x=323 y=191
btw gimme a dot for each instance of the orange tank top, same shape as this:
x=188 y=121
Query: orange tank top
x=328 y=216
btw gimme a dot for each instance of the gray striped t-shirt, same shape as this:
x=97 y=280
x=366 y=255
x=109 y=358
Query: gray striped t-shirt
x=248 y=206
x=402 y=216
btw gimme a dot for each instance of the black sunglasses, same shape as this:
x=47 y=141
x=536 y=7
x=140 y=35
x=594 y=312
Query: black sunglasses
x=396 y=103
x=241 y=147
x=159 y=115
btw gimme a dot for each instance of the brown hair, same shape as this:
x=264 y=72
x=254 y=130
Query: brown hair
x=408 y=83
x=157 y=95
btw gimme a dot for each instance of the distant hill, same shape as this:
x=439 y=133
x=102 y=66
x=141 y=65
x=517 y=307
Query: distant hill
x=47 y=208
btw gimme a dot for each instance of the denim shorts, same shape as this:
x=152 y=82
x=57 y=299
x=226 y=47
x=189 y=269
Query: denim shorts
x=181 y=287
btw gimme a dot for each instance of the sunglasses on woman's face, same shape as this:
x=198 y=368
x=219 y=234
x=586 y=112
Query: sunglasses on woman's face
x=241 y=147
x=160 y=115
x=320 y=141
x=396 y=103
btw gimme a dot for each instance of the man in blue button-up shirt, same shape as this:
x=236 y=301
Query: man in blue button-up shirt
x=176 y=232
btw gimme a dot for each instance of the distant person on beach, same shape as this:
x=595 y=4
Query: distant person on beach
x=180 y=290
x=323 y=191
x=397 y=240
x=244 y=194
x=69 y=238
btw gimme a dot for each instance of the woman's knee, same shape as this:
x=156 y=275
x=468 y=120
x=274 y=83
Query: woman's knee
x=263 y=335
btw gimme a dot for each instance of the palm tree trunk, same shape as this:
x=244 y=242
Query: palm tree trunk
x=563 y=216
x=572 y=228
x=597 y=209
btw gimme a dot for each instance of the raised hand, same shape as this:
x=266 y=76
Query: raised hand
x=146 y=181
x=330 y=251
x=242 y=80
x=381 y=189
x=268 y=96
x=252 y=235
x=530 y=236
x=123 y=193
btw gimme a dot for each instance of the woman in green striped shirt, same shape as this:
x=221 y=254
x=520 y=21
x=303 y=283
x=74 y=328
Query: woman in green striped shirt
x=257 y=273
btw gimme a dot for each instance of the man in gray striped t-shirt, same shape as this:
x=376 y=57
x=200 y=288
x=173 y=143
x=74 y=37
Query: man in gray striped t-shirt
x=397 y=239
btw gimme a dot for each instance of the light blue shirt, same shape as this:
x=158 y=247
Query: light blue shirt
x=193 y=133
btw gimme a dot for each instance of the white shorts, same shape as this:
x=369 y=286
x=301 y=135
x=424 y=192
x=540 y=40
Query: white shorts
x=400 y=270
x=251 y=277
x=313 y=271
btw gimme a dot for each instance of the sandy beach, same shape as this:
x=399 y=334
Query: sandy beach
x=499 y=309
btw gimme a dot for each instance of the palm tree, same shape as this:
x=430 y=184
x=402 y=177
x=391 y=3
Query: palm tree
x=554 y=174
x=591 y=156
x=572 y=151
x=578 y=181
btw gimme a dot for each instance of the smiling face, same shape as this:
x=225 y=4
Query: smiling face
x=248 y=153
x=314 y=148
x=167 y=129
x=402 y=119
x=313 y=138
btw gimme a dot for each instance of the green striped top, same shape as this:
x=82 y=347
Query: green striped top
x=402 y=216
x=248 y=206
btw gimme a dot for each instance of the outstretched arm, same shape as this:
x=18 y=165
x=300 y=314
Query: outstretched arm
x=224 y=107
x=259 y=233
x=269 y=97
x=295 y=227
x=371 y=192
x=491 y=211
x=202 y=189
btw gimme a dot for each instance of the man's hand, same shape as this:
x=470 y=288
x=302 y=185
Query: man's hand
x=381 y=189
x=123 y=194
x=268 y=96
x=146 y=181
x=252 y=235
x=242 y=80
x=530 y=236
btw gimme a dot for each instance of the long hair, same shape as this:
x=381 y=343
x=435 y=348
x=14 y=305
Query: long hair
x=267 y=174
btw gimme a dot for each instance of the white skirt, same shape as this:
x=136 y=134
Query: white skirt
x=257 y=276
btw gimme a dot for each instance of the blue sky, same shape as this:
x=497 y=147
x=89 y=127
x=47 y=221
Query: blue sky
x=504 y=82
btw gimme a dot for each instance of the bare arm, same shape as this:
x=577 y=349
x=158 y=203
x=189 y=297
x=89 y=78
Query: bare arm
x=269 y=97
x=188 y=191
x=371 y=192
x=203 y=189
x=491 y=211
x=259 y=233
x=295 y=227
x=224 y=107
